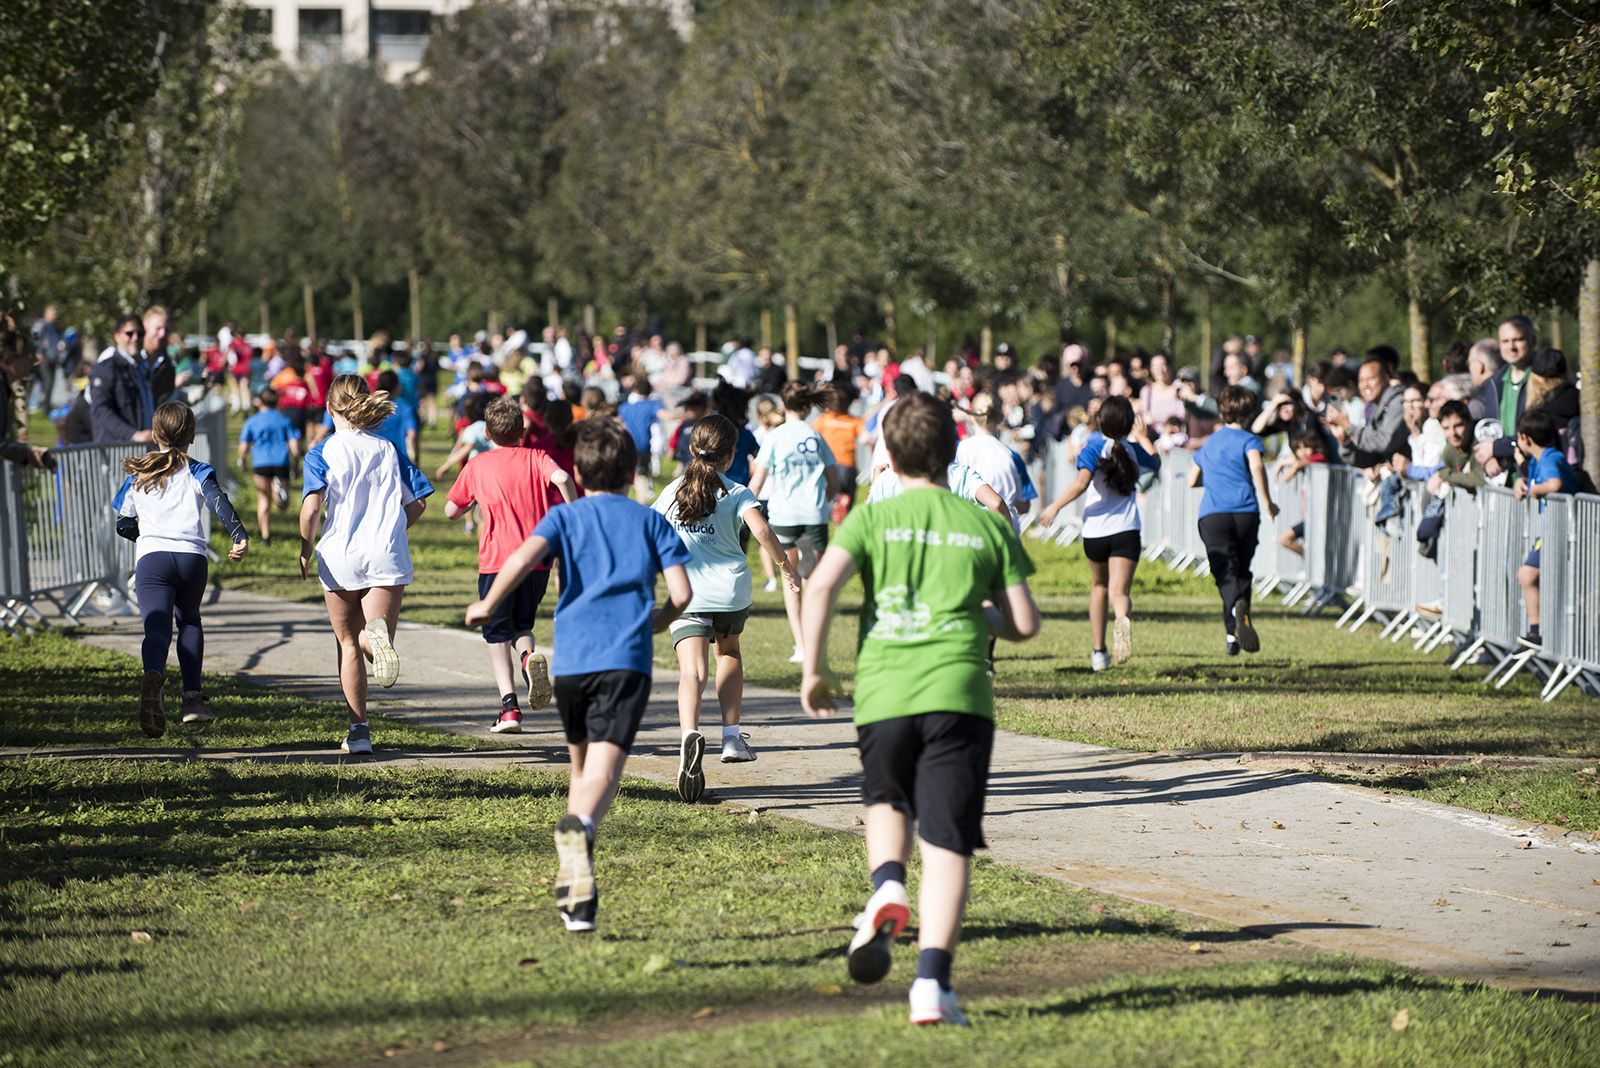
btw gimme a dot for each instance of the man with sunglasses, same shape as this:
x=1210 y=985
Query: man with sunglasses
x=122 y=398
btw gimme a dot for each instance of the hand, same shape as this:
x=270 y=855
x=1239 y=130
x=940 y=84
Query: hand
x=239 y=549
x=816 y=694
x=789 y=576
x=1399 y=464
x=1272 y=510
x=305 y=559
x=477 y=614
x=40 y=457
x=1138 y=433
x=1492 y=468
x=1435 y=480
x=1047 y=518
x=142 y=437
x=1521 y=489
x=440 y=473
x=1483 y=452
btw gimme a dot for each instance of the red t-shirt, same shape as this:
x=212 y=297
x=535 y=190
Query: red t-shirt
x=513 y=491
x=318 y=378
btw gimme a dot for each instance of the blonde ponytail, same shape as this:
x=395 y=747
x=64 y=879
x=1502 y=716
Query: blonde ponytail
x=173 y=429
x=350 y=397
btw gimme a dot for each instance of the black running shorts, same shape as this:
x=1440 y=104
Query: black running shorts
x=933 y=767
x=602 y=706
x=1124 y=543
x=515 y=614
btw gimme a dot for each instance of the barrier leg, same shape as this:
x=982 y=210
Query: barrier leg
x=1427 y=636
x=1468 y=654
x=1349 y=613
x=1296 y=594
x=1362 y=619
x=1562 y=677
x=1519 y=659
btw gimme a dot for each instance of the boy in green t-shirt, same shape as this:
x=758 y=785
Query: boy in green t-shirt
x=940 y=577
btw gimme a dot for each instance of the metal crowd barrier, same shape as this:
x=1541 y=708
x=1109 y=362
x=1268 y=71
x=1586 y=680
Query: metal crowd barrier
x=13 y=548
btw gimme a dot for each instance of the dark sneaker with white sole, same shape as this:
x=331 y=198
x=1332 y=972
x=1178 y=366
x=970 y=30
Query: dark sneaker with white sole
x=880 y=923
x=152 y=704
x=196 y=709
x=691 y=767
x=358 y=740
x=1249 y=641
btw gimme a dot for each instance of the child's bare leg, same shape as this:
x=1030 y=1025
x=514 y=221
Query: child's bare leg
x=263 y=487
x=791 y=601
x=1098 y=595
x=691 y=681
x=1121 y=574
x=888 y=836
x=730 y=679
x=575 y=756
x=500 y=664
x=943 y=897
x=1528 y=579
x=594 y=788
x=347 y=618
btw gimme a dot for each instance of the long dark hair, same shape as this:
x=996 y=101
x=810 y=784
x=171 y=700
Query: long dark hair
x=710 y=449
x=558 y=417
x=1116 y=423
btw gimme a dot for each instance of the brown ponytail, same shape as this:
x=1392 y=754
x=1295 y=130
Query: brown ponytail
x=173 y=429
x=710 y=449
x=1116 y=423
x=350 y=397
x=799 y=397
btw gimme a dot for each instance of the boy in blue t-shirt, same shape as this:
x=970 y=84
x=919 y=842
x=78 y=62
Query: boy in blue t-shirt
x=1230 y=467
x=271 y=439
x=1548 y=472
x=610 y=550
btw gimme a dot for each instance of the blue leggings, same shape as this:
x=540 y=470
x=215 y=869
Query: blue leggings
x=172 y=584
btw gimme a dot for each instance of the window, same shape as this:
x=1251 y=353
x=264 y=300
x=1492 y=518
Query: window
x=321 y=34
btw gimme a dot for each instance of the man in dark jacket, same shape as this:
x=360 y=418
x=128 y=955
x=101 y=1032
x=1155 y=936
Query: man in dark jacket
x=121 y=395
x=1384 y=433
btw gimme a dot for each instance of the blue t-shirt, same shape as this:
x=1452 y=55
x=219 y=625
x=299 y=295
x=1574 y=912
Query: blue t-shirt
x=639 y=416
x=610 y=550
x=1552 y=464
x=268 y=433
x=743 y=449
x=408 y=393
x=1226 y=471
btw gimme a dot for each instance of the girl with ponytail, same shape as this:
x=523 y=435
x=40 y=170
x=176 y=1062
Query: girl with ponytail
x=710 y=511
x=364 y=493
x=161 y=509
x=804 y=480
x=1109 y=465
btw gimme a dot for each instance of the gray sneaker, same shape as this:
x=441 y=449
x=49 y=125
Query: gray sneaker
x=736 y=749
x=358 y=740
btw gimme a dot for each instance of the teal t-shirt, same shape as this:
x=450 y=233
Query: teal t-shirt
x=797 y=462
x=719 y=572
x=928 y=560
x=963 y=481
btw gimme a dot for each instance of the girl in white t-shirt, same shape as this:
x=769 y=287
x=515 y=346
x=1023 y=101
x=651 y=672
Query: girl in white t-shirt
x=161 y=508
x=996 y=462
x=372 y=494
x=709 y=510
x=1108 y=470
x=804 y=479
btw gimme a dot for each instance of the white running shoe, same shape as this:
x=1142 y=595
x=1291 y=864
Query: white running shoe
x=771 y=586
x=280 y=492
x=536 y=677
x=1121 y=640
x=735 y=750
x=691 y=767
x=797 y=657
x=1099 y=660
x=880 y=923
x=932 y=1004
x=357 y=740
x=385 y=661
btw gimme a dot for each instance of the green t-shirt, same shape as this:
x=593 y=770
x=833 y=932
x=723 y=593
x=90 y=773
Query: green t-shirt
x=1510 y=392
x=928 y=560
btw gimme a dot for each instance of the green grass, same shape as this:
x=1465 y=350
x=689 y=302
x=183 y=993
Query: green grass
x=55 y=691
x=1565 y=796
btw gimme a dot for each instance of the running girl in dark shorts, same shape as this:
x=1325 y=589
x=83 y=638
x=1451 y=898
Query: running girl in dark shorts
x=1109 y=465
x=272 y=440
x=939 y=577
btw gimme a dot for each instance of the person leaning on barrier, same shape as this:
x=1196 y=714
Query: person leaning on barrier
x=121 y=397
x=16 y=367
x=1385 y=431
x=1459 y=467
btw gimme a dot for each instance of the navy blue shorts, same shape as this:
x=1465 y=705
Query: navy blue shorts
x=514 y=615
x=1533 y=554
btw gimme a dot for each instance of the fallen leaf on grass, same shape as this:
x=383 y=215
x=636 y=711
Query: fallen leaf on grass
x=1441 y=901
x=1096 y=908
x=702 y=1012
x=527 y=962
x=391 y=1052
x=141 y=937
x=656 y=963
x=753 y=817
x=1525 y=844
x=397 y=897
x=1195 y=947
x=830 y=990
x=1201 y=826
x=458 y=901
x=1277 y=826
x=441 y=1046
x=246 y=906
x=1402 y=1020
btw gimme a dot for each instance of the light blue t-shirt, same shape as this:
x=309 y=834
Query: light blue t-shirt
x=610 y=550
x=1552 y=464
x=1105 y=511
x=797 y=462
x=268 y=433
x=1226 y=469
x=963 y=481
x=719 y=571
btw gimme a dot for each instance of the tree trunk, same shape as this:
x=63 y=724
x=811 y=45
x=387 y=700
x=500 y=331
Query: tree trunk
x=932 y=353
x=1169 y=323
x=492 y=324
x=1589 y=364
x=699 y=335
x=1206 y=338
x=1063 y=284
x=204 y=312
x=889 y=321
x=589 y=319
x=308 y=295
x=831 y=329
x=766 y=327
x=1421 y=327
x=986 y=342
x=552 y=310
x=1111 y=339
x=358 y=322
x=1556 y=333
x=414 y=277
x=266 y=310
x=791 y=337
x=1300 y=341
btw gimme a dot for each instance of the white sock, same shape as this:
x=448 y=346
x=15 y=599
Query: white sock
x=588 y=825
x=730 y=730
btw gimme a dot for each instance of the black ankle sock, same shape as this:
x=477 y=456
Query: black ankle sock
x=1533 y=630
x=935 y=964
x=508 y=702
x=888 y=871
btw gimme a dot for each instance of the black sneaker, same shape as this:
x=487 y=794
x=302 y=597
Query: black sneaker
x=1531 y=640
x=691 y=769
x=575 y=893
x=1248 y=639
x=1231 y=646
x=152 y=704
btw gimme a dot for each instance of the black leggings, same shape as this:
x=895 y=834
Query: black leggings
x=172 y=584
x=1230 y=541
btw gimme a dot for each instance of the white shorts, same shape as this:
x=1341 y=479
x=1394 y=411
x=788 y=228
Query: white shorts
x=359 y=574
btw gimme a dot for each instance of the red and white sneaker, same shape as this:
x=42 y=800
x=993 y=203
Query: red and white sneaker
x=510 y=722
x=880 y=923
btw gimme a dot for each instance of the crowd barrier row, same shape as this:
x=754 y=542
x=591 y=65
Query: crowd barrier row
x=1468 y=594
x=58 y=538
